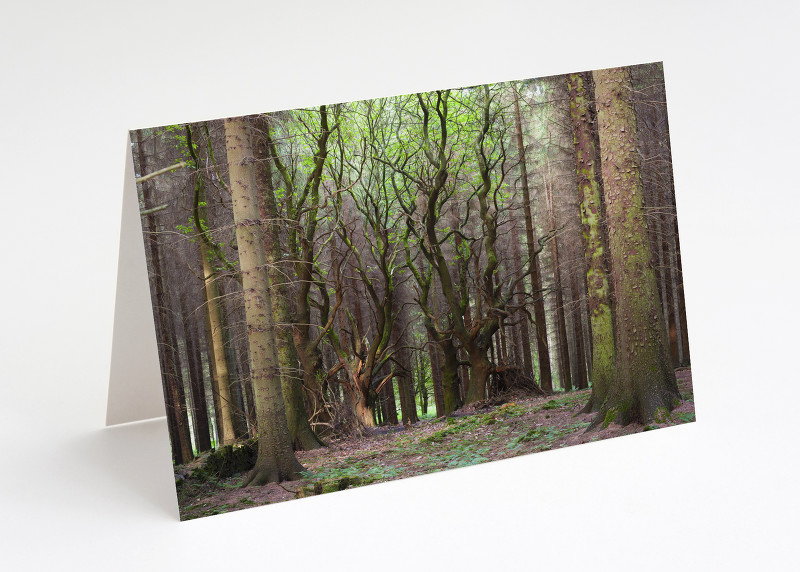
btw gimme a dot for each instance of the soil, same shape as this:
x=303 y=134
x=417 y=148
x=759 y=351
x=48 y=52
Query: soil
x=477 y=434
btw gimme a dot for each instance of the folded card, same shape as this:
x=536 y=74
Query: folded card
x=359 y=292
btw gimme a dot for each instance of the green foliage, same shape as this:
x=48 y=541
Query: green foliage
x=176 y=136
x=544 y=436
x=466 y=456
x=459 y=425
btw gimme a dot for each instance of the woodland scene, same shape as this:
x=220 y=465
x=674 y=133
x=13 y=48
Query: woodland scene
x=361 y=292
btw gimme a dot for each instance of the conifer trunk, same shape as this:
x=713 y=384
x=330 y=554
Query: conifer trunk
x=590 y=194
x=199 y=406
x=543 y=352
x=276 y=461
x=220 y=378
x=172 y=381
x=644 y=383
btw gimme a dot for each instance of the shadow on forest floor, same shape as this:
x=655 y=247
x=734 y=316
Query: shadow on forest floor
x=471 y=436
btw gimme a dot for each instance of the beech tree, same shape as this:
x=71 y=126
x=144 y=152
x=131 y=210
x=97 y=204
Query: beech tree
x=377 y=266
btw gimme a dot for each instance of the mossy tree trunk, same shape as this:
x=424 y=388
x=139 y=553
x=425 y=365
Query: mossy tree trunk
x=444 y=365
x=590 y=194
x=276 y=461
x=303 y=436
x=302 y=212
x=644 y=385
x=451 y=380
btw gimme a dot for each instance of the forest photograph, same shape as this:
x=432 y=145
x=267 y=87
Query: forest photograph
x=354 y=293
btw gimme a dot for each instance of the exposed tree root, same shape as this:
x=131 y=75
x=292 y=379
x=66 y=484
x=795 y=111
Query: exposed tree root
x=269 y=472
x=644 y=409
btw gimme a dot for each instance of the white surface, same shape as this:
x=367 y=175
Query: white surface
x=134 y=386
x=719 y=494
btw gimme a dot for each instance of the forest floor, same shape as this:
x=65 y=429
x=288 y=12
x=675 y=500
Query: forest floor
x=523 y=425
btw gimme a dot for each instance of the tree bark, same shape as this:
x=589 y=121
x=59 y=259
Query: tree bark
x=590 y=194
x=170 y=367
x=561 y=327
x=202 y=435
x=543 y=352
x=577 y=321
x=436 y=372
x=220 y=379
x=524 y=337
x=302 y=435
x=276 y=461
x=644 y=383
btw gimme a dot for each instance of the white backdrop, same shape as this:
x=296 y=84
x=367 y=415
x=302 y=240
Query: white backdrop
x=717 y=494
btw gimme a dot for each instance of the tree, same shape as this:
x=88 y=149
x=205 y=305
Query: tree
x=302 y=219
x=379 y=275
x=303 y=436
x=198 y=390
x=653 y=130
x=644 y=383
x=598 y=292
x=543 y=352
x=168 y=353
x=276 y=461
x=213 y=303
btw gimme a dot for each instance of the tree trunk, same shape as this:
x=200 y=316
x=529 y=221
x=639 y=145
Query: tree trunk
x=170 y=368
x=590 y=194
x=577 y=321
x=524 y=337
x=202 y=435
x=677 y=282
x=276 y=461
x=644 y=383
x=221 y=385
x=543 y=352
x=436 y=373
x=403 y=371
x=237 y=399
x=451 y=380
x=363 y=409
x=561 y=327
x=388 y=403
x=479 y=373
x=297 y=418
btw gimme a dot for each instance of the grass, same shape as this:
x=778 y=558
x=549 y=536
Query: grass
x=461 y=440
